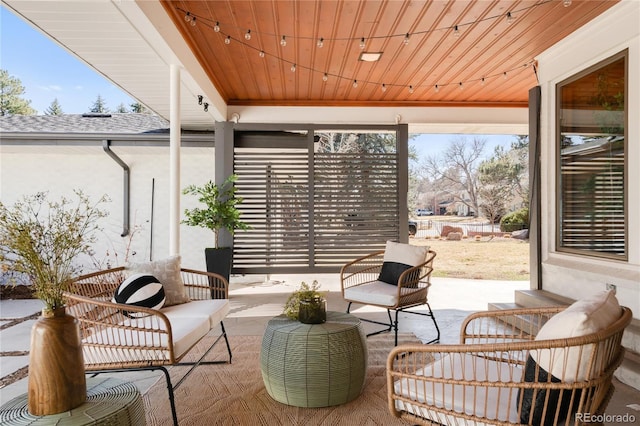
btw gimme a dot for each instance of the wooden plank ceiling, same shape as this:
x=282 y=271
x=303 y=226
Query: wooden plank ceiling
x=490 y=62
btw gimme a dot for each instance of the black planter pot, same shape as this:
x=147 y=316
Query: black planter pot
x=219 y=260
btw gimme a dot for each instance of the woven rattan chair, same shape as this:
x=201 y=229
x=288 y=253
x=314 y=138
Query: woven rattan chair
x=490 y=378
x=360 y=284
x=118 y=338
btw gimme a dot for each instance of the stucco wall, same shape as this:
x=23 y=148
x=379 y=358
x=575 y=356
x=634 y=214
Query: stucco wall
x=61 y=169
x=571 y=275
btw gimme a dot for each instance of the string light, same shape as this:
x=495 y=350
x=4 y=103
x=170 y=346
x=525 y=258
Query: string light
x=206 y=107
x=509 y=18
x=190 y=18
x=200 y=99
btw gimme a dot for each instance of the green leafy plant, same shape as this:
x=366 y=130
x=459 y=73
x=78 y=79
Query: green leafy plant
x=219 y=211
x=41 y=240
x=515 y=221
x=305 y=292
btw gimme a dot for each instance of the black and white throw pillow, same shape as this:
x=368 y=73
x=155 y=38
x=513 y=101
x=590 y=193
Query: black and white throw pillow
x=140 y=290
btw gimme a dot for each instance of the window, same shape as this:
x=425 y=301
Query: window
x=591 y=148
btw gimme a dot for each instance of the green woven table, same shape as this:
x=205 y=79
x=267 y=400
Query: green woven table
x=315 y=365
x=109 y=402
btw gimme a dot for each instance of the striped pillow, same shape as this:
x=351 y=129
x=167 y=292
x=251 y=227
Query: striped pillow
x=140 y=290
x=398 y=257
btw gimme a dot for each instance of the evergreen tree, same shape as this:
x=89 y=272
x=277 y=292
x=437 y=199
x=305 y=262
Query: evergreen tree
x=99 y=106
x=122 y=109
x=138 y=107
x=11 y=102
x=54 y=108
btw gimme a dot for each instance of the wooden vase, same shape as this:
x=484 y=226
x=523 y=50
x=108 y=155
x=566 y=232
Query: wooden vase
x=57 y=381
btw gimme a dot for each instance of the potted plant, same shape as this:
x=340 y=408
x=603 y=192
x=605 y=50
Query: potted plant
x=307 y=304
x=219 y=212
x=40 y=241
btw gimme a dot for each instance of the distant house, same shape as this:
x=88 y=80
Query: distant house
x=98 y=153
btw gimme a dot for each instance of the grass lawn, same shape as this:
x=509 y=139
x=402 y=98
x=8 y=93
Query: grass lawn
x=488 y=259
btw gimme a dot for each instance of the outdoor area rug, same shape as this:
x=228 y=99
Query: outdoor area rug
x=234 y=394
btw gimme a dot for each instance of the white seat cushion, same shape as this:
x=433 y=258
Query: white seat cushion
x=492 y=402
x=215 y=310
x=373 y=293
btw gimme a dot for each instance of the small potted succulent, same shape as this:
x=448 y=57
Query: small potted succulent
x=307 y=304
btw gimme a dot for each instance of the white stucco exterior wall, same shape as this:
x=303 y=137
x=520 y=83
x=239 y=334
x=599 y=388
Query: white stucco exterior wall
x=566 y=274
x=61 y=169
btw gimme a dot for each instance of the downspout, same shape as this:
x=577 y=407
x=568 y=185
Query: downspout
x=126 y=195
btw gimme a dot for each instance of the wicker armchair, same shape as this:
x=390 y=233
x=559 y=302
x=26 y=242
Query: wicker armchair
x=360 y=284
x=489 y=378
x=119 y=337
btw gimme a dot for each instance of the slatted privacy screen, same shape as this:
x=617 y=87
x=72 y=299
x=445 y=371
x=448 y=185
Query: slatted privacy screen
x=312 y=208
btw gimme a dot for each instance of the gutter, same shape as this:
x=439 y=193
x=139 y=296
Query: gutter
x=126 y=177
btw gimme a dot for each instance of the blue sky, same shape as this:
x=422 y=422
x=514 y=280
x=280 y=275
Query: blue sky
x=47 y=71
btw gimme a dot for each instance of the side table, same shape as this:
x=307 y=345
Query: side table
x=314 y=365
x=109 y=402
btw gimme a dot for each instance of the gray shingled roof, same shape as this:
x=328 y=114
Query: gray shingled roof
x=126 y=123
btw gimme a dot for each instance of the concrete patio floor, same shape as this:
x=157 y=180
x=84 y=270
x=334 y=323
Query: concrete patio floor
x=257 y=298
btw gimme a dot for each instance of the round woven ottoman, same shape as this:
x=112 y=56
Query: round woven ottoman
x=109 y=402
x=314 y=365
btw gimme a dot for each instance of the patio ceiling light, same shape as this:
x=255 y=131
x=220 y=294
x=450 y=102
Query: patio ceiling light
x=370 y=56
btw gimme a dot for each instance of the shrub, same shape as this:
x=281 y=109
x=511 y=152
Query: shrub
x=515 y=221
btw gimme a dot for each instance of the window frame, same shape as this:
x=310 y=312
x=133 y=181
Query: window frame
x=558 y=148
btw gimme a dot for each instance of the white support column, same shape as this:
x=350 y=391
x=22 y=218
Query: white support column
x=174 y=160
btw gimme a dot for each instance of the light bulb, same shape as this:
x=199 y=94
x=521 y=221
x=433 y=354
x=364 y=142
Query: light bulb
x=355 y=83
x=261 y=53
x=406 y=39
x=460 y=86
x=325 y=77
x=227 y=40
x=504 y=75
x=410 y=89
x=187 y=17
x=436 y=88
x=193 y=21
x=482 y=81
x=247 y=35
x=509 y=18
x=362 y=45
x=456 y=32
x=566 y=3
x=216 y=27
x=384 y=87
x=293 y=68
x=283 y=41
x=320 y=42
